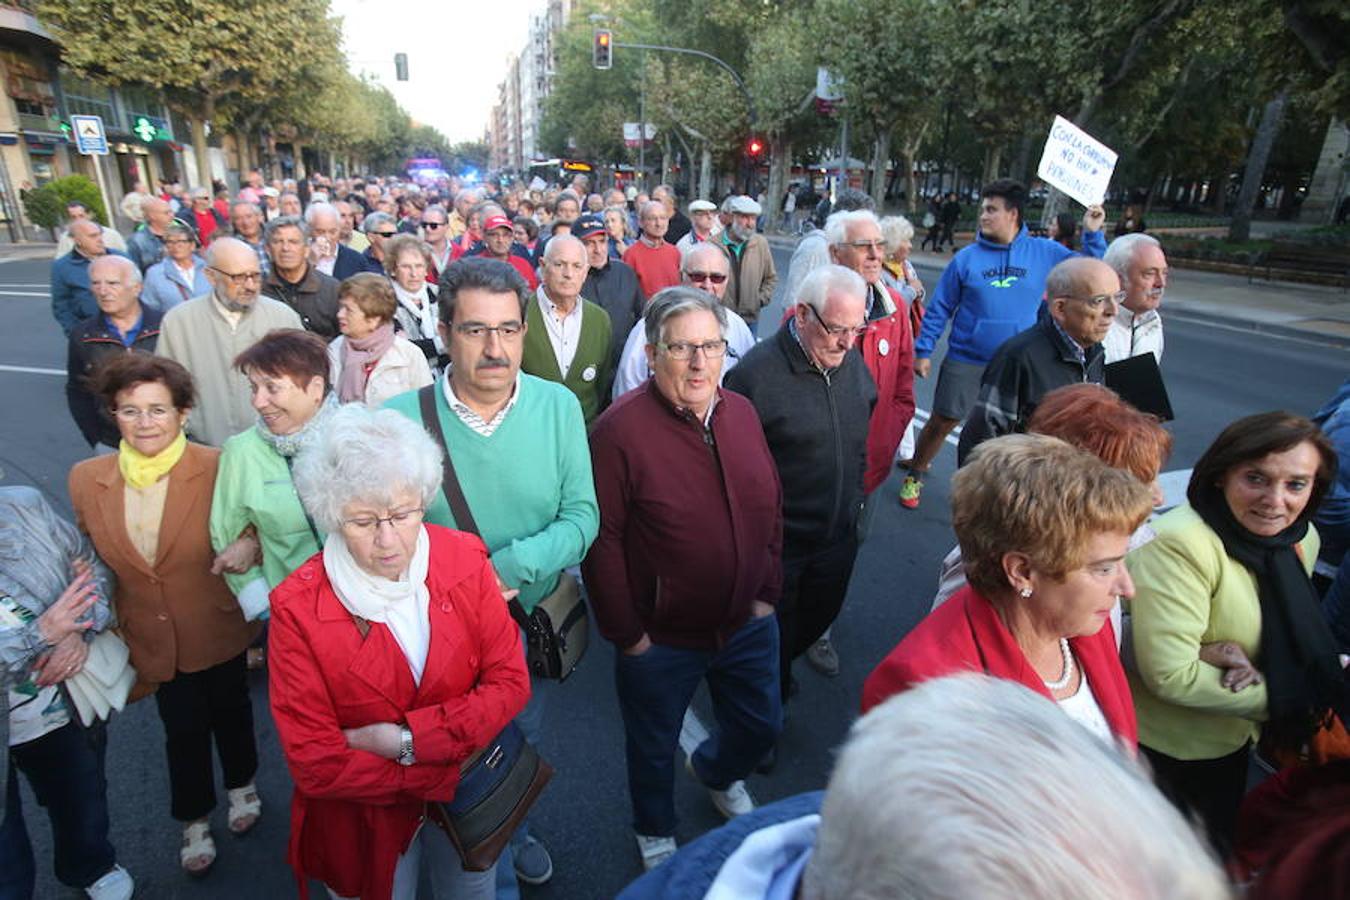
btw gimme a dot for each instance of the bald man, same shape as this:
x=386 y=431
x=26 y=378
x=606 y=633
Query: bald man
x=72 y=301
x=146 y=245
x=206 y=333
x=1064 y=347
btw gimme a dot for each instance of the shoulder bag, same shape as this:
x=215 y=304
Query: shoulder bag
x=558 y=629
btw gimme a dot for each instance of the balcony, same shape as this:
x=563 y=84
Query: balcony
x=17 y=15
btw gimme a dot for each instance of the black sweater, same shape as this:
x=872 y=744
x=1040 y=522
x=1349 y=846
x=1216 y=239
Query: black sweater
x=816 y=425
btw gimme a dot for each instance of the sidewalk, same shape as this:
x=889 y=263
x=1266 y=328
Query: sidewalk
x=33 y=250
x=1307 y=311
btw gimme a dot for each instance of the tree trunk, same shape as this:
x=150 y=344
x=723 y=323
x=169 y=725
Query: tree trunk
x=705 y=172
x=1271 y=116
x=780 y=155
x=199 y=152
x=665 y=160
x=298 y=155
x=881 y=157
x=993 y=157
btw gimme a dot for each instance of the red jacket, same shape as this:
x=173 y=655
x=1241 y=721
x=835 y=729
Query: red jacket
x=353 y=812
x=966 y=634
x=888 y=350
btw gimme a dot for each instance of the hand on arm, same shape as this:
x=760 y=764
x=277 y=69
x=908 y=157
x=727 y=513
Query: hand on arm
x=67 y=659
x=242 y=554
x=1238 y=671
x=69 y=614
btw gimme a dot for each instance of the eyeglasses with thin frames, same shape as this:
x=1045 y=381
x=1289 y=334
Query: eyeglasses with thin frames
x=154 y=413
x=238 y=279
x=476 y=331
x=838 y=331
x=684 y=350
x=370 y=525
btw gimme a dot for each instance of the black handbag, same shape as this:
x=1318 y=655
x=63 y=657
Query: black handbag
x=558 y=630
x=496 y=790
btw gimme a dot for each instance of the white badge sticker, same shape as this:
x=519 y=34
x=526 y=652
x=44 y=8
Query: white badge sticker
x=588 y=373
x=883 y=346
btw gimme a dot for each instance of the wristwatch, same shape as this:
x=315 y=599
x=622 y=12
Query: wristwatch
x=405 y=747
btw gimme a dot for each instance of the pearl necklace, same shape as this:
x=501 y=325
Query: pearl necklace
x=1063 y=681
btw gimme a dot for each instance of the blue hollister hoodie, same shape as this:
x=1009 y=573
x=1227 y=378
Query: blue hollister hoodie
x=992 y=291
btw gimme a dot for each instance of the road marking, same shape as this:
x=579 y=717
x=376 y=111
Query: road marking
x=921 y=416
x=26 y=284
x=24 y=294
x=692 y=733
x=31 y=370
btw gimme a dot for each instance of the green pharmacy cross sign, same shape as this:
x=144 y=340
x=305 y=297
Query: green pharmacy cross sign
x=148 y=129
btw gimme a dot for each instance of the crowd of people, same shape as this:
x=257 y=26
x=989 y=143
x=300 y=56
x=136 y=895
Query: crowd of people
x=362 y=433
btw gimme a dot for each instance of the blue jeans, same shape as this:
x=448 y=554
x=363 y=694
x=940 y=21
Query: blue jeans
x=65 y=769
x=655 y=689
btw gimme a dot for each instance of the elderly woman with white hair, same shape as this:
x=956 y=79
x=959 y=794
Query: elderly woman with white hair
x=896 y=270
x=393 y=660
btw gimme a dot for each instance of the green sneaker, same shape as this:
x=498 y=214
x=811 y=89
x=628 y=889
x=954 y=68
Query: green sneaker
x=910 y=489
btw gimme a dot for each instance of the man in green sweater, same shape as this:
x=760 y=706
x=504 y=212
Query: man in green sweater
x=568 y=338
x=519 y=447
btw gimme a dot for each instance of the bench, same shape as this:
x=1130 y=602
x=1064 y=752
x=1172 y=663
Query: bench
x=1331 y=262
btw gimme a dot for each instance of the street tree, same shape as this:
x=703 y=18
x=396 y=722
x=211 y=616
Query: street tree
x=197 y=53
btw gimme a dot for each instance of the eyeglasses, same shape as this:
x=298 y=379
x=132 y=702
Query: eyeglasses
x=385 y=234
x=838 y=331
x=133 y=414
x=700 y=277
x=1096 y=300
x=369 y=525
x=683 y=350
x=477 y=332
x=430 y=225
x=864 y=246
x=238 y=279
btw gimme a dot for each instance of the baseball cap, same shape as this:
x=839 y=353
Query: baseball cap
x=497 y=221
x=270 y=191
x=702 y=206
x=588 y=225
x=743 y=204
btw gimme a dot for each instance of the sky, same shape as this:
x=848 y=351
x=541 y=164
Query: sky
x=457 y=54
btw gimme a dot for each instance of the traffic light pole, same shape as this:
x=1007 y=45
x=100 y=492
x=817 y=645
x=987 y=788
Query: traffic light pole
x=735 y=76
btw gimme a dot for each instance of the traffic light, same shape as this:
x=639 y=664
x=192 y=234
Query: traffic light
x=401 y=66
x=602 y=50
x=754 y=147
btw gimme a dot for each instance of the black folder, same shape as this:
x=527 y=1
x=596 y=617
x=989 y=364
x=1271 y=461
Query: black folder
x=1139 y=382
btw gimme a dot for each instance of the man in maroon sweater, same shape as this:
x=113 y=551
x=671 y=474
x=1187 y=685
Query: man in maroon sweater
x=686 y=570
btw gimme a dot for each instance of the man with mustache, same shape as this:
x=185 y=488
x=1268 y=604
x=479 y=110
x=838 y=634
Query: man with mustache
x=753 y=275
x=1142 y=266
x=1064 y=347
x=206 y=333
x=520 y=453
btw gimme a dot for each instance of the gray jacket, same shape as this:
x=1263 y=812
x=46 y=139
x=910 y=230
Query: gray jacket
x=38 y=549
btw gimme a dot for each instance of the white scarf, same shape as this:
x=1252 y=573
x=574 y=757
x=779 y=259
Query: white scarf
x=421 y=304
x=401 y=605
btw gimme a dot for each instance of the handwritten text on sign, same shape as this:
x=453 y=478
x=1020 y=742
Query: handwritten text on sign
x=1076 y=163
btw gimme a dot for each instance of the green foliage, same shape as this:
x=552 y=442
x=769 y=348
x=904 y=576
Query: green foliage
x=46 y=206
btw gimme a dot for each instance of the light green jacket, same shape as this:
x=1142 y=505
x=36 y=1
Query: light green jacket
x=253 y=486
x=1189 y=592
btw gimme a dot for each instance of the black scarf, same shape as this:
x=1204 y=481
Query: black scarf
x=1299 y=660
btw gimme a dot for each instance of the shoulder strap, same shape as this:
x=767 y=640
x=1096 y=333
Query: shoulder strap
x=454 y=494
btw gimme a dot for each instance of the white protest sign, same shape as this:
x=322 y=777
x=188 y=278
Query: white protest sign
x=1076 y=163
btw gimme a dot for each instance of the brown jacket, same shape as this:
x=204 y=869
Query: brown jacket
x=753 y=276
x=175 y=615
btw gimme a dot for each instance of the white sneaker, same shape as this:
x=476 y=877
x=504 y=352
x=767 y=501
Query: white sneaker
x=655 y=850
x=116 y=884
x=732 y=802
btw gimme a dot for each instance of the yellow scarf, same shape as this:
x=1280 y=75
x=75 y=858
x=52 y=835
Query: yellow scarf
x=141 y=471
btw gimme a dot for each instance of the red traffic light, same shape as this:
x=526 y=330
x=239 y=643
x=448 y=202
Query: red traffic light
x=755 y=147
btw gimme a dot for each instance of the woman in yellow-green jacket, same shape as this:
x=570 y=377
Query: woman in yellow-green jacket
x=1227 y=631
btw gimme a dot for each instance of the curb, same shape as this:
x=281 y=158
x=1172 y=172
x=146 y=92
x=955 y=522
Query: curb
x=1201 y=317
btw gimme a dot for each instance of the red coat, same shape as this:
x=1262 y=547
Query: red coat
x=893 y=372
x=353 y=812
x=965 y=634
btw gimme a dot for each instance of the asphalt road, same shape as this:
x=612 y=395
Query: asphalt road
x=1214 y=375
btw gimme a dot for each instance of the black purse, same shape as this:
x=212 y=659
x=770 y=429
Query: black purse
x=558 y=630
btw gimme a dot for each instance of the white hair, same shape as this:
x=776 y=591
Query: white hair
x=894 y=230
x=132 y=271
x=1120 y=255
x=836 y=226
x=817 y=286
x=710 y=248
x=559 y=241
x=970 y=786
x=319 y=208
x=367 y=455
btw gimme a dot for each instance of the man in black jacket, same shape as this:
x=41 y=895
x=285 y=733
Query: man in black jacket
x=295 y=282
x=122 y=325
x=611 y=283
x=814 y=397
x=1063 y=347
